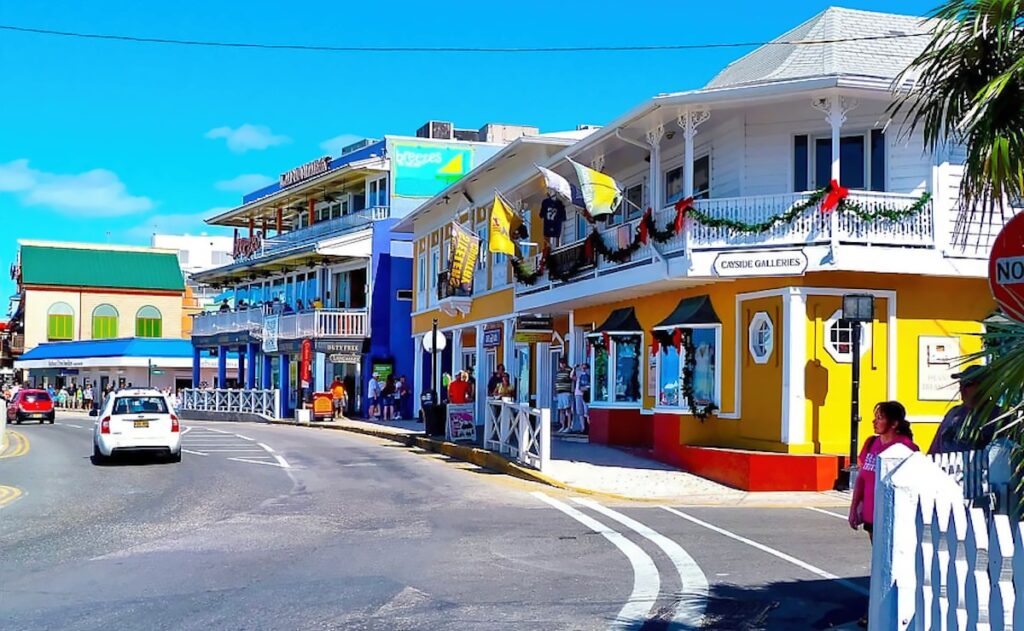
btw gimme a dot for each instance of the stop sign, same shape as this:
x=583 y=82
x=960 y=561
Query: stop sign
x=1006 y=268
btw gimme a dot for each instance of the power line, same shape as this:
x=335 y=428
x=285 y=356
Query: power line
x=442 y=49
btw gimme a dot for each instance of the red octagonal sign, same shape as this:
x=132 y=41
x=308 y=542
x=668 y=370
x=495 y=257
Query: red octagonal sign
x=1006 y=268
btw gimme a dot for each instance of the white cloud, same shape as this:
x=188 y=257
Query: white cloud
x=99 y=192
x=248 y=137
x=180 y=223
x=245 y=183
x=333 y=146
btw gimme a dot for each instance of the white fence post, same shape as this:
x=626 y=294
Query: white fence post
x=519 y=431
x=264 y=402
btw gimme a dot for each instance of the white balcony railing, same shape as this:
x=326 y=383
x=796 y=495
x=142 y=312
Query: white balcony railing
x=322 y=229
x=325 y=323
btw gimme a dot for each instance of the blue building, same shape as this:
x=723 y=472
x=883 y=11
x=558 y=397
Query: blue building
x=316 y=262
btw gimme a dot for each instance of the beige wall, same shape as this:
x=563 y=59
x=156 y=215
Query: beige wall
x=38 y=302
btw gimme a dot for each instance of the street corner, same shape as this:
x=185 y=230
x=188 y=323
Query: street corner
x=16 y=445
x=8 y=494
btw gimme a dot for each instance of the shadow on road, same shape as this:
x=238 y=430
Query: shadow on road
x=144 y=460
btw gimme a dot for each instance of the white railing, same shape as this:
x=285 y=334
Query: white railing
x=321 y=229
x=938 y=562
x=810 y=227
x=916 y=230
x=319 y=323
x=518 y=431
x=262 y=402
x=227 y=322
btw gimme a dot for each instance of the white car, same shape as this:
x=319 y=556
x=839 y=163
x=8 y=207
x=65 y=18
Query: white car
x=138 y=420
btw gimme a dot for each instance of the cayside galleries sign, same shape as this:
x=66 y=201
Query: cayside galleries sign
x=767 y=263
x=305 y=171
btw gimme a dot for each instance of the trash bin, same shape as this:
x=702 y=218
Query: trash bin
x=432 y=414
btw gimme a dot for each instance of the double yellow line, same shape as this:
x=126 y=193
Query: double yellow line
x=17 y=445
x=8 y=494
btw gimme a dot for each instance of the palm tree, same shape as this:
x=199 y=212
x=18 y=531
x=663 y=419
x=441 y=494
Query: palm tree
x=968 y=90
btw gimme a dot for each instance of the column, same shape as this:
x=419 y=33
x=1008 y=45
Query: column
x=417 y=374
x=689 y=122
x=481 y=377
x=456 y=351
x=268 y=368
x=283 y=386
x=253 y=350
x=197 y=363
x=794 y=360
x=835 y=108
x=654 y=196
x=507 y=344
x=222 y=366
x=241 y=365
x=571 y=346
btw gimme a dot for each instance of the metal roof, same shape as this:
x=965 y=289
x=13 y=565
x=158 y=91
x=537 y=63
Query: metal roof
x=75 y=265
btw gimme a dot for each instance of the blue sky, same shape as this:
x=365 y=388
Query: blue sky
x=104 y=141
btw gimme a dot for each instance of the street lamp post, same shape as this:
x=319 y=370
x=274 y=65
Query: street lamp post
x=857 y=309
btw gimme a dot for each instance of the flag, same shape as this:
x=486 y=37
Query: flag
x=463 y=253
x=557 y=183
x=503 y=221
x=601 y=193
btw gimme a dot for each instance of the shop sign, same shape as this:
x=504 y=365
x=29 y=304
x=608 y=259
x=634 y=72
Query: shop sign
x=535 y=323
x=271 y=326
x=65 y=363
x=382 y=370
x=937 y=361
x=349 y=347
x=1006 y=268
x=306 y=171
x=461 y=426
x=345 y=358
x=492 y=337
x=245 y=248
x=532 y=337
x=768 y=263
x=307 y=363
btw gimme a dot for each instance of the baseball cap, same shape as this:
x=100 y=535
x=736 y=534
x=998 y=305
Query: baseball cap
x=971 y=374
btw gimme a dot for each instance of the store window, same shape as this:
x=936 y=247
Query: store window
x=60 y=322
x=761 y=337
x=148 y=322
x=616 y=368
x=707 y=349
x=104 y=322
x=839 y=338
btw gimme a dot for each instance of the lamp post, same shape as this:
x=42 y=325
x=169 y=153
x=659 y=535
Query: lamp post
x=857 y=309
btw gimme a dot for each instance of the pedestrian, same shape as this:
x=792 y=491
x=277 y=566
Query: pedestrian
x=563 y=392
x=373 y=394
x=891 y=428
x=471 y=394
x=339 y=399
x=404 y=394
x=458 y=389
x=387 y=398
x=495 y=380
x=225 y=306
x=581 y=390
x=87 y=396
x=947 y=437
x=318 y=304
x=298 y=305
x=505 y=389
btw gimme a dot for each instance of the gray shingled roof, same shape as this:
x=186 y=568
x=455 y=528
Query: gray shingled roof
x=883 y=58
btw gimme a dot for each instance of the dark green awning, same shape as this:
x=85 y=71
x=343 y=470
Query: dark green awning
x=696 y=310
x=621 y=320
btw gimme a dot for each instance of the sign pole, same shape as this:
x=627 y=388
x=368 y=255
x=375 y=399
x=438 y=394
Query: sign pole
x=436 y=378
x=855 y=398
x=149 y=373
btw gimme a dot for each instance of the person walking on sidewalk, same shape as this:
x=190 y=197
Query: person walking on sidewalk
x=891 y=428
x=373 y=394
x=339 y=399
x=581 y=390
x=563 y=392
x=387 y=397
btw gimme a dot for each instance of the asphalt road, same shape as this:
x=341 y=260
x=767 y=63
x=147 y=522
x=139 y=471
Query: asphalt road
x=271 y=527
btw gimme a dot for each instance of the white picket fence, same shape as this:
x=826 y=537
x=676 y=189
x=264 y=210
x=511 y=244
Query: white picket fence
x=943 y=558
x=519 y=431
x=262 y=402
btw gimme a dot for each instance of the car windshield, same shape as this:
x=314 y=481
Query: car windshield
x=37 y=397
x=140 y=405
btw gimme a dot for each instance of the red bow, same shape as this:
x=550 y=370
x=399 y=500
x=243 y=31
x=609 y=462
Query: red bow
x=606 y=338
x=677 y=339
x=643 y=226
x=835 y=194
x=655 y=346
x=681 y=207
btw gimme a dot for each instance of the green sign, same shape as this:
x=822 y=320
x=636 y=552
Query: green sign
x=383 y=369
x=425 y=169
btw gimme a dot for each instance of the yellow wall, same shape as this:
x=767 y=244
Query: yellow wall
x=492 y=305
x=761 y=384
x=38 y=302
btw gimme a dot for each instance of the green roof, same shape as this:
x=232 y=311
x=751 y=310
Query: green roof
x=114 y=269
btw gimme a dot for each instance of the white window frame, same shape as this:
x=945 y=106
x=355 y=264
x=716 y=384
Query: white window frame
x=761 y=350
x=375 y=185
x=612 y=367
x=421 y=280
x=432 y=272
x=833 y=351
x=682 y=408
x=482 y=262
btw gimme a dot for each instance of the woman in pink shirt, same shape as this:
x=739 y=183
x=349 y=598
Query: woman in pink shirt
x=891 y=427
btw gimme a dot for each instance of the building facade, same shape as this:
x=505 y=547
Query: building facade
x=196 y=253
x=316 y=262
x=709 y=306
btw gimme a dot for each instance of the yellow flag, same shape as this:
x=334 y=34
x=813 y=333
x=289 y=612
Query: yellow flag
x=601 y=192
x=503 y=222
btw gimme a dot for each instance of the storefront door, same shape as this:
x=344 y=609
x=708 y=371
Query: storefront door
x=350 y=376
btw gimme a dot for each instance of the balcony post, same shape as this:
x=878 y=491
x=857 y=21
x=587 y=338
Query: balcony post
x=835 y=108
x=268 y=368
x=252 y=350
x=241 y=365
x=654 y=196
x=222 y=366
x=689 y=121
x=283 y=385
x=197 y=374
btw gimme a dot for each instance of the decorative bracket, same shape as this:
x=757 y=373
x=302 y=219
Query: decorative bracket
x=835 y=108
x=690 y=120
x=655 y=135
x=597 y=163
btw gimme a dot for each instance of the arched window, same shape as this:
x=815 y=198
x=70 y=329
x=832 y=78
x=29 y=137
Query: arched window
x=148 y=322
x=104 y=322
x=60 y=322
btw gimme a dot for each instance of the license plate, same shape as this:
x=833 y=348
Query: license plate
x=141 y=423
x=36 y=415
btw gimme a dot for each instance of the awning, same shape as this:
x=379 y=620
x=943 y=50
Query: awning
x=620 y=321
x=695 y=310
x=116 y=353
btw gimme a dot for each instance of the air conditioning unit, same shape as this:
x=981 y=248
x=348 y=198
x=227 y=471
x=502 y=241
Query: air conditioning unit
x=440 y=130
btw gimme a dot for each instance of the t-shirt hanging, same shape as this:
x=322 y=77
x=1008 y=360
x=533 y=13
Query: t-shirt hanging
x=552 y=212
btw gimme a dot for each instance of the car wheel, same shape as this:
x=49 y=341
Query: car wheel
x=18 y=419
x=53 y=417
x=97 y=455
x=175 y=457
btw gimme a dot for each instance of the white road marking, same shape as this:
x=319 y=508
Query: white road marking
x=233 y=450
x=772 y=551
x=75 y=426
x=693 y=601
x=196 y=453
x=646 y=581
x=359 y=464
x=826 y=512
x=281 y=461
x=272 y=464
x=244 y=437
x=188 y=428
x=265 y=447
x=218 y=431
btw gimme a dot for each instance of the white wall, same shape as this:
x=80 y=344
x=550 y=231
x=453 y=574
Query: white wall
x=200 y=249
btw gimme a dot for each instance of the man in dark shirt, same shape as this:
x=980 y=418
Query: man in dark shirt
x=948 y=438
x=495 y=380
x=552 y=212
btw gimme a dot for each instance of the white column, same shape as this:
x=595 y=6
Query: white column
x=571 y=341
x=689 y=122
x=456 y=351
x=654 y=195
x=509 y=347
x=417 y=373
x=835 y=108
x=481 y=377
x=793 y=347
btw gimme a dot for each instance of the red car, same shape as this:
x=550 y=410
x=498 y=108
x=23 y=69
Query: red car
x=30 y=404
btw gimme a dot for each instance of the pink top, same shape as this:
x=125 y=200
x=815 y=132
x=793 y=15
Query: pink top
x=868 y=465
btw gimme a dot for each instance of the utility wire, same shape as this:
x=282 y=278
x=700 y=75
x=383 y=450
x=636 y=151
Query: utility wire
x=443 y=49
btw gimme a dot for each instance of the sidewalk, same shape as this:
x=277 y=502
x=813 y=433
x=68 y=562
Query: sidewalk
x=595 y=470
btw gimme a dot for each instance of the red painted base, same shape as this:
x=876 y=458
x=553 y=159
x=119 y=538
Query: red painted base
x=621 y=428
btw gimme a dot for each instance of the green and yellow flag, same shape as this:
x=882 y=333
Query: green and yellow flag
x=503 y=221
x=601 y=193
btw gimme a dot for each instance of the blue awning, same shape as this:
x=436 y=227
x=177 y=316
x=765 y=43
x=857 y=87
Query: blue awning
x=121 y=347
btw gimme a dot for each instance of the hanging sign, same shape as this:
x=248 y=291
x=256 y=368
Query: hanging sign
x=492 y=337
x=768 y=263
x=1006 y=268
x=462 y=256
x=307 y=362
x=271 y=325
x=306 y=171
